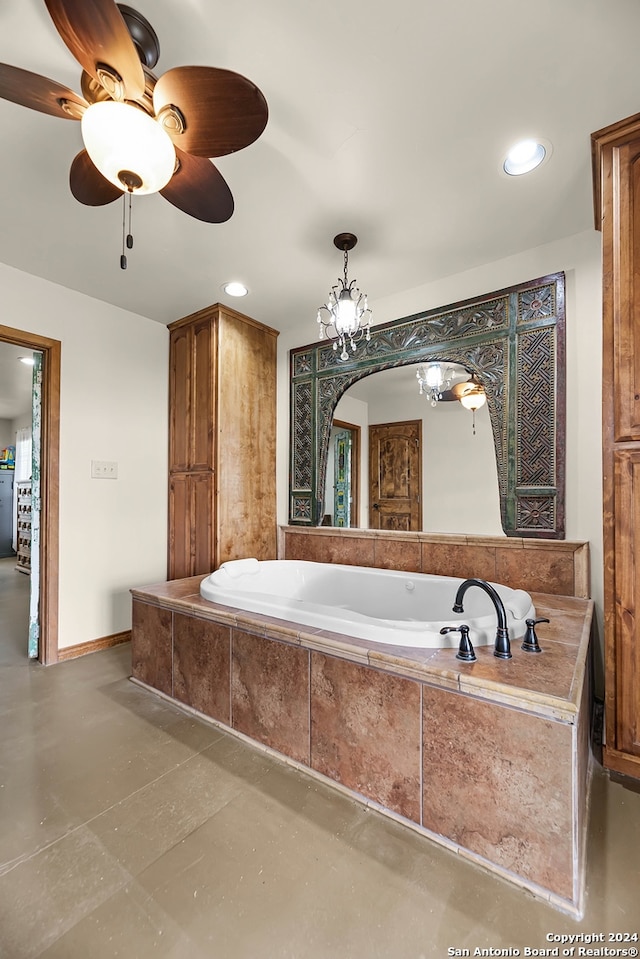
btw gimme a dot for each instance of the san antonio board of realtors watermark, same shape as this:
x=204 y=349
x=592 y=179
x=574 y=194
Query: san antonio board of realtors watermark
x=580 y=945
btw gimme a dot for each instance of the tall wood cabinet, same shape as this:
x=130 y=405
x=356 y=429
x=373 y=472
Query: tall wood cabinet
x=222 y=441
x=616 y=165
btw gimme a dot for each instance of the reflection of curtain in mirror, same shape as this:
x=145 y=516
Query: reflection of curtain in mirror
x=342 y=477
x=22 y=473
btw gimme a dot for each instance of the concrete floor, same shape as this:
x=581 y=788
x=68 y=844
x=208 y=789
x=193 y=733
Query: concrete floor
x=131 y=829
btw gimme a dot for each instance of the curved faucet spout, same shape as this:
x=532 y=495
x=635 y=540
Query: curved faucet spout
x=502 y=647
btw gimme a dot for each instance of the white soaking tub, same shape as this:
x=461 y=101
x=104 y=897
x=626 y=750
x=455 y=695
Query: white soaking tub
x=379 y=605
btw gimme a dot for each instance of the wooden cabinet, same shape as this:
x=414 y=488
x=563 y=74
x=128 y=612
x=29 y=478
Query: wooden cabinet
x=616 y=156
x=222 y=441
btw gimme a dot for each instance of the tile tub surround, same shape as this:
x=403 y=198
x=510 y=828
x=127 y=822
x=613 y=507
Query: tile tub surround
x=543 y=566
x=490 y=759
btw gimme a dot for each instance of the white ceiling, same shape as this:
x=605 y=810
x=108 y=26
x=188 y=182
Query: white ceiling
x=389 y=120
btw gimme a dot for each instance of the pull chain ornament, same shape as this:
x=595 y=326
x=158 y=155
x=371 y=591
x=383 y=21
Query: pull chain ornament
x=128 y=240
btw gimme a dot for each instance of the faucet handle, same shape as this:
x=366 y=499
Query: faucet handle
x=530 y=643
x=465 y=650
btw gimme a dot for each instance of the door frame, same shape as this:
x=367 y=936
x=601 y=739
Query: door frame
x=49 y=484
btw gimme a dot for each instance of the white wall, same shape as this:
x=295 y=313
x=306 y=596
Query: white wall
x=579 y=257
x=7 y=436
x=113 y=406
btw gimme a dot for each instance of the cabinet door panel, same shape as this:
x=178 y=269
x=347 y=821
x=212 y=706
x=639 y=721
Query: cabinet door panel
x=202 y=523
x=180 y=389
x=626 y=361
x=179 y=564
x=202 y=396
x=627 y=578
x=191 y=506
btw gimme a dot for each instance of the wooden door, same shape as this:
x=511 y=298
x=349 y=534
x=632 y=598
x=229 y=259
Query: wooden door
x=395 y=476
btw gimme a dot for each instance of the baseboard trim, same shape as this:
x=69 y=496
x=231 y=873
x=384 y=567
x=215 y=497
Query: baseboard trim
x=94 y=646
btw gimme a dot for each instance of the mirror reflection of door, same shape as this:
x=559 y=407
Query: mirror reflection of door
x=345 y=450
x=395 y=480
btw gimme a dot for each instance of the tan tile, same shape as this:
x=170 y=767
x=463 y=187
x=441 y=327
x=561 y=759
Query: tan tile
x=498 y=782
x=540 y=570
x=202 y=666
x=461 y=561
x=270 y=693
x=44 y=896
x=129 y=924
x=365 y=732
x=150 y=821
x=151 y=646
x=390 y=554
x=332 y=549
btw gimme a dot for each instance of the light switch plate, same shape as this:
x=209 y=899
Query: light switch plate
x=104 y=469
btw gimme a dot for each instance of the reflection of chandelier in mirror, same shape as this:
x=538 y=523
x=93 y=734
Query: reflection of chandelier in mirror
x=433 y=379
x=346 y=316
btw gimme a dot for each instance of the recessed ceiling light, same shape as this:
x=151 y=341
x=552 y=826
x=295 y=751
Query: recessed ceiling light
x=235 y=289
x=28 y=360
x=524 y=157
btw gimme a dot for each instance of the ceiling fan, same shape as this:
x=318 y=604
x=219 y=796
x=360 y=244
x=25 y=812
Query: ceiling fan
x=191 y=113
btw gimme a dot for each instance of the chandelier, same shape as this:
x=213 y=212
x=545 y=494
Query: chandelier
x=433 y=380
x=345 y=318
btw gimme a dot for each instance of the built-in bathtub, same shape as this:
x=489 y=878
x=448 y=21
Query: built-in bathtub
x=380 y=605
x=488 y=758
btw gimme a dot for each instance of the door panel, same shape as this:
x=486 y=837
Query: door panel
x=627 y=534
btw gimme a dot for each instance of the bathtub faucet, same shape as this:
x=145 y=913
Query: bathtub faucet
x=502 y=647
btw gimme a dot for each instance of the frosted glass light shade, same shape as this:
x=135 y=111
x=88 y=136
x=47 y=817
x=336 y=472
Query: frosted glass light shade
x=346 y=321
x=123 y=139
x=474 y=399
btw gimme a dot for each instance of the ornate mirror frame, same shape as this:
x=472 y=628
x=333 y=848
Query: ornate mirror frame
x=513 y=340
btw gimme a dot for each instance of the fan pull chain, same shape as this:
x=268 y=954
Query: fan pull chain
x=128 y=240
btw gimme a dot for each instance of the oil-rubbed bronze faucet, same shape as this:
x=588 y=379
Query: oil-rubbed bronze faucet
x=502 y=648
x=466 y=651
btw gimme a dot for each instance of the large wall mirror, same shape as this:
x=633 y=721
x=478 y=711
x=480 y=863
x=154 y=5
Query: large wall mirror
x=510 y=342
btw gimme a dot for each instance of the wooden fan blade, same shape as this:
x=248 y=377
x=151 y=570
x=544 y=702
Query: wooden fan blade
x=97 y=36
x=223 y=112
x=39 y=93
x=88 y=185
x=199 y=189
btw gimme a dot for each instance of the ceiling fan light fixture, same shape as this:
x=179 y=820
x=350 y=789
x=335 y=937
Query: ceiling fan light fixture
x=128 y=147
x=474 y=399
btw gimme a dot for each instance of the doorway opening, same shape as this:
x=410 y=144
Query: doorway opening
x=47 y=505
x=343 y=492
